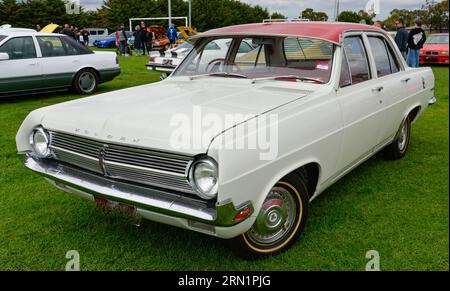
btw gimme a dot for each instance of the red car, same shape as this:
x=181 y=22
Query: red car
x=435 y=50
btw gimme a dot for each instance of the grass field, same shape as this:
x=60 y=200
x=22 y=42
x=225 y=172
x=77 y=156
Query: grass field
x=398 y=208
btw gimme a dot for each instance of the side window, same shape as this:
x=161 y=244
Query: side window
x=70 y=48
x=51 y=46
x=244 y=47
x=212 y=46
x=19 y=48
x=395 y=65
x=93 y=32
x=345 y=79
x=380 y=55
x=357 y=59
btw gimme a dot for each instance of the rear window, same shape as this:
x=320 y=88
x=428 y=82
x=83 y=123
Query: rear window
x=2 y=37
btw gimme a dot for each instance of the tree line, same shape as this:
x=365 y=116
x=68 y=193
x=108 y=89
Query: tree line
x=207 y=14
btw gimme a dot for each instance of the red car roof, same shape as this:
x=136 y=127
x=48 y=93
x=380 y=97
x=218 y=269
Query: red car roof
x=330 y=31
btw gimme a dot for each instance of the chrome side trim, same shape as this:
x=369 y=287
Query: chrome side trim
x=77 y=181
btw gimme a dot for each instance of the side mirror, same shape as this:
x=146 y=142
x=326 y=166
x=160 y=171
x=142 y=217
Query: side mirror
x=4 y=56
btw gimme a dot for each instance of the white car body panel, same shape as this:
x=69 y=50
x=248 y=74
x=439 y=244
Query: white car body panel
x=334 y=128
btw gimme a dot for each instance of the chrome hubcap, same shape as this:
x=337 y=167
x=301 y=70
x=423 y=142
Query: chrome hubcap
x=403 y=138
x=275 y=218
x=87 y=81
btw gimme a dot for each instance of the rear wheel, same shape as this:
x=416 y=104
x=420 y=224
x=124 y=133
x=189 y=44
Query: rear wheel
x=85 y=82
x=398 y=148
x=279 y=222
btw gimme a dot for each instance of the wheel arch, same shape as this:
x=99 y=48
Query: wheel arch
x=97 y=73
x=414 y=113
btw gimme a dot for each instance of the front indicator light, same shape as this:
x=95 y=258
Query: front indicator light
x=243 y=214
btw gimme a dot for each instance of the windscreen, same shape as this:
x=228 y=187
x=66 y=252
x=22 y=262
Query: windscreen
x=288 y=58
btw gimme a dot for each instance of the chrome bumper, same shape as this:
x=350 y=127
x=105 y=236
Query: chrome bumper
x=74 y=180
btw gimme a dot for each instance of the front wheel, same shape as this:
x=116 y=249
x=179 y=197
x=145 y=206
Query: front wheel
x=398 y=148
x=85 y=82
x=279 y=222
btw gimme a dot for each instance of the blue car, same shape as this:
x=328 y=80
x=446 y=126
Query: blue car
x=110 y=40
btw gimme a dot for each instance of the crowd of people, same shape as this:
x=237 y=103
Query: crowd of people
x=78 y=35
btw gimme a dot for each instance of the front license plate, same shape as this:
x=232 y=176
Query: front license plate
x=126 y=210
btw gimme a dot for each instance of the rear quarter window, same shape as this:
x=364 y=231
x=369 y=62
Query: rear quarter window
x=2 y=37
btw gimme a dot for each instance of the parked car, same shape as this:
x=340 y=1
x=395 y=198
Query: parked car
x=110 y=40
x=326 y=111
x=161 y=42
x=96 y=34
x=435 y=50
x=32 y=62
x=166 y=62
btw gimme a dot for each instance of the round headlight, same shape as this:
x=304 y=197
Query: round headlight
x=204 y=177
x=40 y=141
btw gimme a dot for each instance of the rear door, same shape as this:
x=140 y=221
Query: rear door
x=23 y=71
x=60 y=62
x=358 y=95
x=391 y=79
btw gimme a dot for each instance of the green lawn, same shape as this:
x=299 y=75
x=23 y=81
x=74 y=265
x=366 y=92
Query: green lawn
x=398 y=208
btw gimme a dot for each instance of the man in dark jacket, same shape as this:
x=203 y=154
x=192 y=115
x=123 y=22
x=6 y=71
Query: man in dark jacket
x=416 y=39
x=67 y=31
x=401 y=38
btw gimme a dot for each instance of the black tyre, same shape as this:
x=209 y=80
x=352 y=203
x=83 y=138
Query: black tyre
x=85 y=82
x=398 y=148
x=279 y=222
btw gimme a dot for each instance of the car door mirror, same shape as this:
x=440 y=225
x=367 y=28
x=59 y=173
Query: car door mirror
x=4 y=56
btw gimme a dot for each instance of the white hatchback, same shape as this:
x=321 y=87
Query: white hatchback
x=33 y=62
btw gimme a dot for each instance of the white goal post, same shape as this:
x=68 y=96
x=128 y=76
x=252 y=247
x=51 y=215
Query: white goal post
x=157 y=18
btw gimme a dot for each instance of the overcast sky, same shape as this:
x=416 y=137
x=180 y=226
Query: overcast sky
x=292 y=8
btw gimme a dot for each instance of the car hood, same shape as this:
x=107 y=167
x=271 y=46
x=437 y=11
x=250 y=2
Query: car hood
x=151 y=116
x=435 y=47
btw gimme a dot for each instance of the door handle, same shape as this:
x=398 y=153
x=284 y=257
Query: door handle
x=378 y=89
x=33 y=64
x=406 y=80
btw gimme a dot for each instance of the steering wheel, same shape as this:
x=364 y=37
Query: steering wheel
x=217 y=61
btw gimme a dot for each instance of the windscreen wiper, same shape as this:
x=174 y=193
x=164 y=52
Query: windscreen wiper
x=288 y=77
x=220 y=74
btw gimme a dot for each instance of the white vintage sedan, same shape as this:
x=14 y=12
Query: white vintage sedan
x=33 y=62
x=237 y=147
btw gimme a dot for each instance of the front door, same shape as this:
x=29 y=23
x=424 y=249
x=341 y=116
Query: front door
x=23 y=70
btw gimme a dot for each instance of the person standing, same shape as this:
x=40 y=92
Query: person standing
x=77 y=34
x=67 y=31
x=137 y=40
x=121 y=39
x=148 y=39
x=172 y=35
x=85 y=35
x=401 y=38
x=142 y=36
x=416 y=39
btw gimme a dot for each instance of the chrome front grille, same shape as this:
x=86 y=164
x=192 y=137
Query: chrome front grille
x=154 y=168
